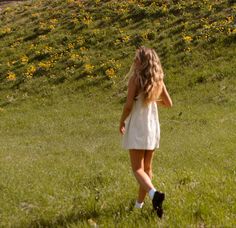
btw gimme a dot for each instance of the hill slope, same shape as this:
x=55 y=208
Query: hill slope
x=47 y=43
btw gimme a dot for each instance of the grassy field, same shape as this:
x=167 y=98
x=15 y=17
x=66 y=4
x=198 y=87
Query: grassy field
x=62 y=88
x=62 y=163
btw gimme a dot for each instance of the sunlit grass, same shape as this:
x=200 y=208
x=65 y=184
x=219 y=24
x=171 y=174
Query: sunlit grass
x=62 y=90
x=62 y=164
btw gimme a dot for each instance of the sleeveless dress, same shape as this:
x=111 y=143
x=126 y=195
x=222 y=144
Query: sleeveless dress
x=142 y=127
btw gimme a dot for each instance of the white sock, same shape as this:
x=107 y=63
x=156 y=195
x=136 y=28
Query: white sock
x=152 y=192
x=138 y=205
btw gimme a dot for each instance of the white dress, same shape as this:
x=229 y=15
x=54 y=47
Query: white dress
x=142 y=127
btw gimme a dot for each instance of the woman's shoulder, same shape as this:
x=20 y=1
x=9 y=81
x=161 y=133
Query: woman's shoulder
x=134 y=81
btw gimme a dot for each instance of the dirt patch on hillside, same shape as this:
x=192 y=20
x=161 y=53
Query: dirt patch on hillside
x=7 y=2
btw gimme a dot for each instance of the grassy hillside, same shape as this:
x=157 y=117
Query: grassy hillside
x=62 y=87
x=46 y=43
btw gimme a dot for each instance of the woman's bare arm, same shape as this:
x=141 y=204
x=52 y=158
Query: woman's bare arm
x=165 y=99
x=129 y=103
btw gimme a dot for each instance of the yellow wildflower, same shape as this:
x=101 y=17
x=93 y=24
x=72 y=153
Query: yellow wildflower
x=75 y=57
x=71 y=46
x=110 y=72
x=88 y=68
x=230 y=19
x=187 y=39
x=45 y=65
x=54 y=21
x=6 y=30
x=30 y=71
x=164 y=8
x=43 y=37
x=51 y=27
x=24 y=59
x=11 y=76
x=42 y=25
x=47 y=49
x=87 y=20
x=126 y=38
x=8 y=9
x=96 y=31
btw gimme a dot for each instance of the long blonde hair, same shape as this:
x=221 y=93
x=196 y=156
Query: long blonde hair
x=148 y=72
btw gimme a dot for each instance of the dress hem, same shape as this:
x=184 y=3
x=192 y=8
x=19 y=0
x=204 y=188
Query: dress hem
x=135 y=148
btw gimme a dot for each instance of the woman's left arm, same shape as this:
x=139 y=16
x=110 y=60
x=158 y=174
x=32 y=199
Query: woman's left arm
x=129 y=104
x=165 y=99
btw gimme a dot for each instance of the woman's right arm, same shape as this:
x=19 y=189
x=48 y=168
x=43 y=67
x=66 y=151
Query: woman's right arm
x=129 y=103
x=165 y=99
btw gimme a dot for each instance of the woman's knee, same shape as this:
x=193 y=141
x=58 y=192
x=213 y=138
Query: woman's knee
x=137 y=171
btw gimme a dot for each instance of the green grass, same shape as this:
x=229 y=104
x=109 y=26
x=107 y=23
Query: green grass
x=61 y=159
x=62 y=163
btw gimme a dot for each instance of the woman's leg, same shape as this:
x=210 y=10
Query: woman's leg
x=137 y=163
x=147 y=163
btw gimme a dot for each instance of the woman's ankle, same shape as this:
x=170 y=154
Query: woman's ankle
x=138 y=204
x=152 y=192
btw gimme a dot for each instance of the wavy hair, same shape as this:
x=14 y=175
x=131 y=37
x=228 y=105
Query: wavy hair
x=148 y=71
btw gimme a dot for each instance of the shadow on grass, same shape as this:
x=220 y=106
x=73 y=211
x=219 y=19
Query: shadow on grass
x=64 y=220
x=76 y=216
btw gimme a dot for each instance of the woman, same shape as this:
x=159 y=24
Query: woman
x=139 y=122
